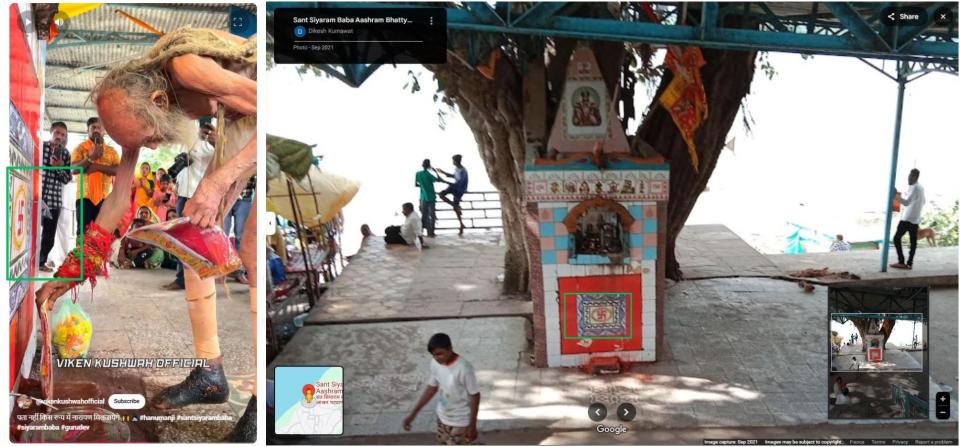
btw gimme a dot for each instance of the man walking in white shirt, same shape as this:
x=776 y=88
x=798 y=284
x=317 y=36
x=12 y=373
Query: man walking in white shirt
x=459 y=404
x=909 y=219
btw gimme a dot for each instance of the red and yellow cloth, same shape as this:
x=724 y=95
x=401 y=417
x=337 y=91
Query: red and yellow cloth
x=684 y=98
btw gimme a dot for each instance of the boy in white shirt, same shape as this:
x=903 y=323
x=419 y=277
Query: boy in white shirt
x=459 y=400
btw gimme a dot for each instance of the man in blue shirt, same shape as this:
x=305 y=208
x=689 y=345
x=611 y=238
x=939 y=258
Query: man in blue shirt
x=457 y=188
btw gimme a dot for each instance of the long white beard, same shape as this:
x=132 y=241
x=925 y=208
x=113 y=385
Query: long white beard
x=178 y=128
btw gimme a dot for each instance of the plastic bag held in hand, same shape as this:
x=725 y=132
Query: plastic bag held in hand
x=208 y=252
x=72 y=331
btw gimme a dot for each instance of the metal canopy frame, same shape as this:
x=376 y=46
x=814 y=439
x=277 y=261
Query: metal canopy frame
x=912 y=300
x=89 y=44
x=821 y=28
x=82 y=38
x=847 y=316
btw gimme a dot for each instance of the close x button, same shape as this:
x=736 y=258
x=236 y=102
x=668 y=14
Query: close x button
x=943 y=405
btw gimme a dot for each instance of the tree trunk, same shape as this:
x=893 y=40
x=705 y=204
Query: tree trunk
x=863 y=326
x=886 y=329
x=726 y=79
x=494 y=113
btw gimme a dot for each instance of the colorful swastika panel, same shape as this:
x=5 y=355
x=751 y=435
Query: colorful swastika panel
x=600 y=314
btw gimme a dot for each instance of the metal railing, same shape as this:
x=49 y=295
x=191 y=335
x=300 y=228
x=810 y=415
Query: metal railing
x=910 y=406
x=481 y=211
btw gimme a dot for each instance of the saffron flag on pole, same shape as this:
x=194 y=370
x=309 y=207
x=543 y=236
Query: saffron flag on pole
x=684 y=98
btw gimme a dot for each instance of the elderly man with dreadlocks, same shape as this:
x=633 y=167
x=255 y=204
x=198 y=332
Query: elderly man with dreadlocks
x=188 y=74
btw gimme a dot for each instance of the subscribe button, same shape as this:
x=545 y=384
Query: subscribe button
x=126 y=401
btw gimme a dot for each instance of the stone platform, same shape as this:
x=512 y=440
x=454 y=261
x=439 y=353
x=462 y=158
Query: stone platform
x=456 y=277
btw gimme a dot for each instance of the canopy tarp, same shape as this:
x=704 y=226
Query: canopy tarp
x=319 y=196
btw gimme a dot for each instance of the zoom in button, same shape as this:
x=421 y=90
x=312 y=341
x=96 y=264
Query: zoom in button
x=943 y=405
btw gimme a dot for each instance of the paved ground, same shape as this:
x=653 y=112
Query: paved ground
x=739 y=352
x=932 y=266
x=455 y=277
x=943 y=342
x=673 y=436
x=708 y=251
x=133 y=318
x=894 y=359
x=711 y=251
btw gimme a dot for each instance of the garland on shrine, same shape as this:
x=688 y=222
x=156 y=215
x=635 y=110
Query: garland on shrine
x=95 y=248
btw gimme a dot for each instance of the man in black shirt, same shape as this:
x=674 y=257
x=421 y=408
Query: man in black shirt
x=54 y=154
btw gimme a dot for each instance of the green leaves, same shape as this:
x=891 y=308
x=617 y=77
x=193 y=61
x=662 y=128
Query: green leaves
x=943 y=221
x=289 y=156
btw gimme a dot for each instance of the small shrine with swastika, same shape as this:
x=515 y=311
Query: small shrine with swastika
x=597 y=279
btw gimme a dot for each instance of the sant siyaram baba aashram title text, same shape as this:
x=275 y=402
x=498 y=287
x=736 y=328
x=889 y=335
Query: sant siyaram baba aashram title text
x=350 y=20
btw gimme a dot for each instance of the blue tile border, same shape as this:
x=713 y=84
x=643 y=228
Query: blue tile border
x=559 y=214
x=650 y=225
x=547 y=229
x=549 y=257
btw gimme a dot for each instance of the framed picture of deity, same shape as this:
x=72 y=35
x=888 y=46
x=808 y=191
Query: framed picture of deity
x=585 y=109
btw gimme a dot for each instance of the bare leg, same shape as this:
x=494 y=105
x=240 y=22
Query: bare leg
x=206 y=384
x=456 y=209
x=202 y=307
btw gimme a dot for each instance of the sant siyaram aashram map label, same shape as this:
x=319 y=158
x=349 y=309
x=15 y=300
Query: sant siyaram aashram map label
x=309 y=400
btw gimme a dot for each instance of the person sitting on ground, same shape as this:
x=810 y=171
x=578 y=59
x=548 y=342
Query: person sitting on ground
x=459 y=404
x=366 y=233
x=839 y=244
x=457 y=188
x=135 y=254
x=409 y=232
x=844 y=397
x=838 y=384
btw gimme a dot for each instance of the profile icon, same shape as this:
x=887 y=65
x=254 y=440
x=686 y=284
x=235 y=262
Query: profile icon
x=299 y=31
x=24 y=401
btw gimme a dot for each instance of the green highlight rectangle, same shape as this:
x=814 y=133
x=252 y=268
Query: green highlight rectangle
x=10 y=209
x=563 y=316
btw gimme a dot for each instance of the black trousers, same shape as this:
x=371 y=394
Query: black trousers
x=90 y=212
x=393 y=235
x=48 y=232
x=911 y=229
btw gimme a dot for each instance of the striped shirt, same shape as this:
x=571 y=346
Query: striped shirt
x=54 y=179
